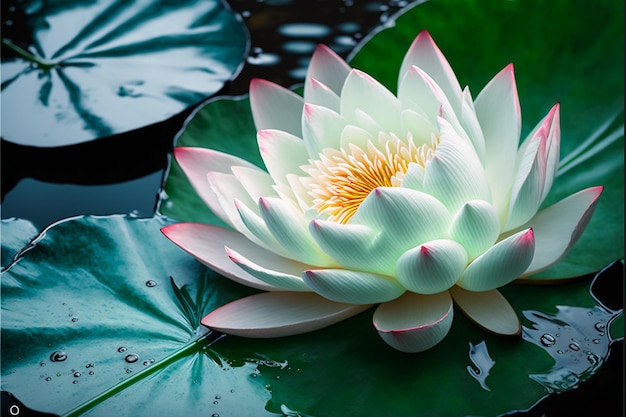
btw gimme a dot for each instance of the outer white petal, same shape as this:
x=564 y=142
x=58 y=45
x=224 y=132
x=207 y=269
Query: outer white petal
x=488 y=309
x=275 y=107
x=504 y=262
x=414 y=322
x=558 y=227
x=354 y=287
x=272 y=269
x=321 y=128
x=227 y=189
x=328 y=68
x=282 y=153
x=362 y=92
x=432 y=267
x=476 y=226
x=498 y=110
x=278 y=314
x=206 y=243
x=454 y=174
x=197 y=162
x=425 y=54
x=290 y=228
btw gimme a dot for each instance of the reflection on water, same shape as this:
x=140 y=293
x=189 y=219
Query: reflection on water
x=480 y=357
x=577 y=340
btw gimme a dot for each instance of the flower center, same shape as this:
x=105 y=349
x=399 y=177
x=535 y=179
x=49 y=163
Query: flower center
x=342 y=179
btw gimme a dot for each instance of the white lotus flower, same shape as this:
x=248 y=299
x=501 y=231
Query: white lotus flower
x=409 y=202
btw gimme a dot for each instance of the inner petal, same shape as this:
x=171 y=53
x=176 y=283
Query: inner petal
x=342 y=179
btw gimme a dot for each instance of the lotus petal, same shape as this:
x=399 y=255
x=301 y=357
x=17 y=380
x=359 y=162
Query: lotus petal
x=489 y=310
x=498 y=110
x=290 y=229
x=321 y=129
x=353 y=287
x=364 y=93
x=316 y=92
x=327 y=68
x=454 y=173
x=196 y=162
x=275 y=107
x=414 y=322
x=558 y=227
x=501 y=264
x=274 y=270
x=206 y=243
x=424 y=54
x=278 y=314
x=282 y=153
x=431 y=267
x=476 y=226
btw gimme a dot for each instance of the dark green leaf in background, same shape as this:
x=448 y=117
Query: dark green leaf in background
x=93 y=69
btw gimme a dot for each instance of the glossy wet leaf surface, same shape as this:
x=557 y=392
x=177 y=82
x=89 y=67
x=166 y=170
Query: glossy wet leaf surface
x=582 y=72
x=75 y=71
x=94 y=319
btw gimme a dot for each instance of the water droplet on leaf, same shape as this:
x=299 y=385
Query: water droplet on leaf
x=58 y=356
x=548 y=340
x=131 y=358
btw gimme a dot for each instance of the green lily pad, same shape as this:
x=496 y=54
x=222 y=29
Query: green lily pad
x=100 y=317
x=582 y=72
x=94 y=69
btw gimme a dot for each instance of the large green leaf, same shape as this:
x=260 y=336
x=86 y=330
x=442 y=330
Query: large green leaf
x=81 y=289
x=555 y=61
x=73 y=71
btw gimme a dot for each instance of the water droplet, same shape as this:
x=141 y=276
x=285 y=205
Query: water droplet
x=42 y=364
x=253 y=375
x=76 y=374
x=232 y=390
x=560 y=352
x=89 y=365
x=75 y=381
x=58 y=356
x=574 y=346
x=218 y=397
x=216 y=402
x=121 y=349
x=548 y=340
x=215 y=415
x=151 y=283
x=91 y=372
x=146 y=363
x=49 y=378
x=128 y=370
x=74 y=319
x=596 y=341
x=277 y=376
x=131 y=358
x=600 y=326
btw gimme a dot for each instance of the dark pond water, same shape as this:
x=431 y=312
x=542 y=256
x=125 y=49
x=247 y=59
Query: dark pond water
x=123 y=173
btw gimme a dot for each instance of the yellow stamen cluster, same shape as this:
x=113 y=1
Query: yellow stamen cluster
x=342 y=179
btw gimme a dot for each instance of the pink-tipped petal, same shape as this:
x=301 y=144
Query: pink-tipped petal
x=206 y=243
x=274 y=270
x=275 y=107
x=414 y=322
x=197 y=162
x=536 y=165
x=558 y=227
x=278 y=314
x=327 y=68
x=489 y=310
x=432 y=267
x=318 y=93
x=498 y=110
x=501 y=264
x=476 y=226
x=425 y=54
x=353 y=287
